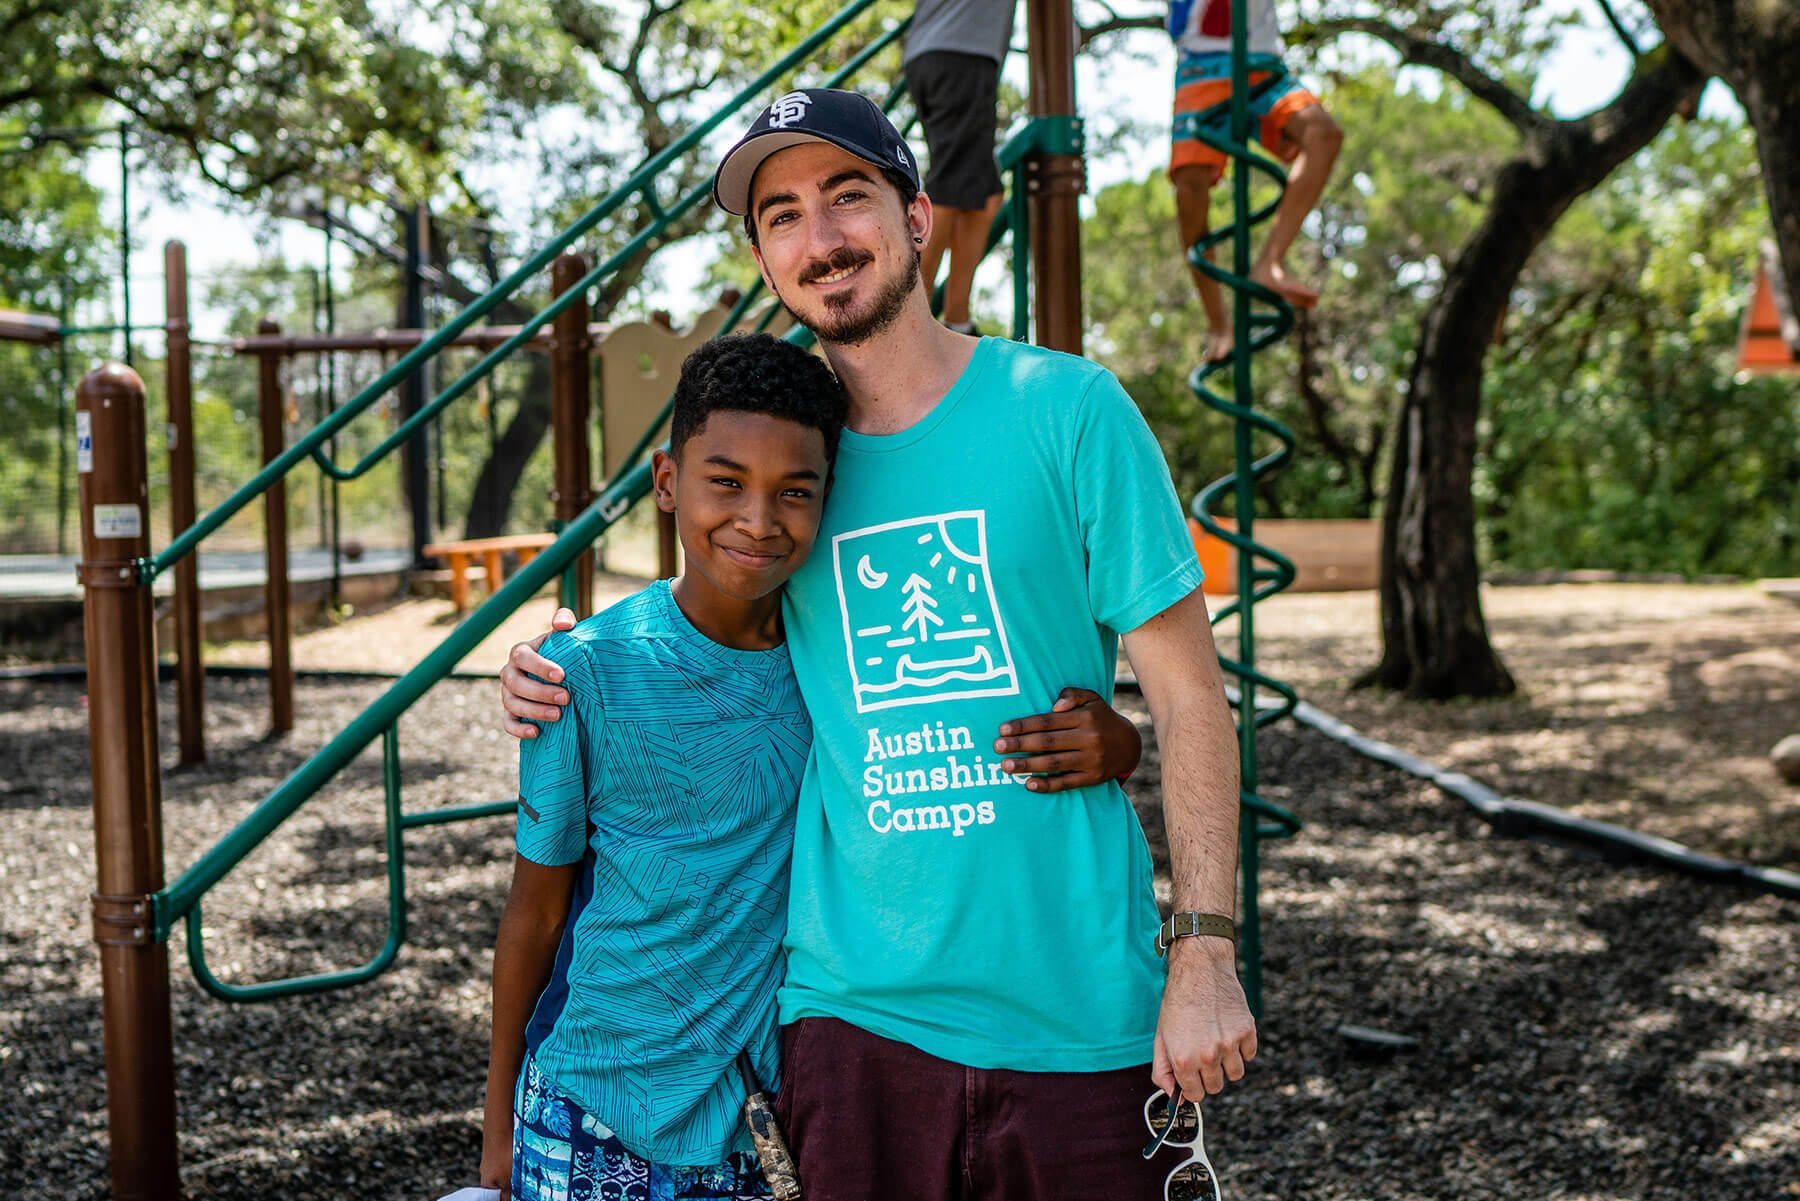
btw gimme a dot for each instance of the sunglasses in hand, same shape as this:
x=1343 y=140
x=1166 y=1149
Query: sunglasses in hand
x=1177 y=1123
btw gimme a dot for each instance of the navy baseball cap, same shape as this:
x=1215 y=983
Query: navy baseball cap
x=848 y=120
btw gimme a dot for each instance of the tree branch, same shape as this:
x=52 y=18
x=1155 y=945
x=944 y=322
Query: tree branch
x=1116 y=24
x=1612 y=18
x=1441 y=56
x=32 y=91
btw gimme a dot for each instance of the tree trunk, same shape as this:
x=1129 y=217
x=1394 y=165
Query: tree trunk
x=505 y=465
x=501 y=472
x=1434 y=636
x=1751 y=45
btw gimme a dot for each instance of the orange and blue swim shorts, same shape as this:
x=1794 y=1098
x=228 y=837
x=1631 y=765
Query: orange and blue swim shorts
x=1203 y=82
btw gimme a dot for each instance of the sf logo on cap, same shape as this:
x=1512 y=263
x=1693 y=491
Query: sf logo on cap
x=789 y=109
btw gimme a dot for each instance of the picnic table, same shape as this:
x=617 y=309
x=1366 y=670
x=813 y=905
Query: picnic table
x=490 y=553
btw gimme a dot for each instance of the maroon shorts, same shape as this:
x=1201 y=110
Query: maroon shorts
x=870 y=1119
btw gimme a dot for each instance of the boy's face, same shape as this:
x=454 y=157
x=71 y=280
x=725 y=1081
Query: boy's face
x=747 y=492
x=834 y=242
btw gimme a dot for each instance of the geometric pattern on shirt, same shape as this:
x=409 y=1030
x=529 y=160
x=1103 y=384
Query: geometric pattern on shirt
x=679 y=772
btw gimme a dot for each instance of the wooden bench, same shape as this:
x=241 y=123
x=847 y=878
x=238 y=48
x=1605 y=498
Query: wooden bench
x=489 y=552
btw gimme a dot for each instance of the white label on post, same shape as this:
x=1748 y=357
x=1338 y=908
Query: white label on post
x=174 y=434
x=84 y=440
x=118 y=521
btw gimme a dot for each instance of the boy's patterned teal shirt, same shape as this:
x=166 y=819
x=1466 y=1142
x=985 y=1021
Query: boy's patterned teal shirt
x=671 y=779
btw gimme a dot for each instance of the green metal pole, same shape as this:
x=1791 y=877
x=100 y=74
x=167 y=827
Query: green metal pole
x=1249 y=849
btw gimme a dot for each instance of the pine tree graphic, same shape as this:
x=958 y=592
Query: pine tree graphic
x=919 y=607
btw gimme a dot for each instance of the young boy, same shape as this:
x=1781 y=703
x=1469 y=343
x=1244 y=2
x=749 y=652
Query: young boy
x=639 y=951
x=1292 y=125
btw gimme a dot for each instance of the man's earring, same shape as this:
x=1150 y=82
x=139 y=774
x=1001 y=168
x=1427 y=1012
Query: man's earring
x=920 y=241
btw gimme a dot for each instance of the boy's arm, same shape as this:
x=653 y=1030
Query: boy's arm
x=1082 y=741
x=530 y=685
x=1204 y=1033
x=530 y=930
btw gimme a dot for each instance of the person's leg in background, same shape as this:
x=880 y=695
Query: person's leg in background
x=967 y=239
x=1194 y=182
x=957 y=97
x=1309 y=140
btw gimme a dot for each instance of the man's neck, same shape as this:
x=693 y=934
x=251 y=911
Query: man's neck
x=896 y=378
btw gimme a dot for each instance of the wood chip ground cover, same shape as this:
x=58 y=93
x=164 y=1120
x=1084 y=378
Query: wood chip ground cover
x=1585 y=1033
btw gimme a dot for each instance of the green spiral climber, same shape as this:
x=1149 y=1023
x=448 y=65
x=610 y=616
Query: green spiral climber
x=1259 y=317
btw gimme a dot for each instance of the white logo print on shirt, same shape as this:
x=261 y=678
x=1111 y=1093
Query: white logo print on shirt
x=921 y=622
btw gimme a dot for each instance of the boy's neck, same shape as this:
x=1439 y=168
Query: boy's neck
x=896 y=378
x=742 y=625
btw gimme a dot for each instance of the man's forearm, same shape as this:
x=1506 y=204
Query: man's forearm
x=1198 y=744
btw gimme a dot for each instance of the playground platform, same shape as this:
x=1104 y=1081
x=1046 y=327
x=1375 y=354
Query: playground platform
x=52 y=577
x=40 y=602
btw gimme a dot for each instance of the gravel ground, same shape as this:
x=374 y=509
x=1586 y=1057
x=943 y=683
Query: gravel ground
x=1653 y=706
x=1585 y=1033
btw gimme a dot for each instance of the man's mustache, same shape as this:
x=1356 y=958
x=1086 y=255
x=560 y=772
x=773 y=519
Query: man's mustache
x=840 y=260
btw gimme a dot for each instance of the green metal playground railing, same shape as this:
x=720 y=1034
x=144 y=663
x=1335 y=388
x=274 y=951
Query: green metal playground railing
x=1253 y=330
x=181 y=899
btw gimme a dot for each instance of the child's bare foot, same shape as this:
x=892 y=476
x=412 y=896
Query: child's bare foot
x=1275 y=278
x=1219 y=346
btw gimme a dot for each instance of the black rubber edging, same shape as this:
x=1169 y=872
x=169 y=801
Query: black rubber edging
x=1511 y=817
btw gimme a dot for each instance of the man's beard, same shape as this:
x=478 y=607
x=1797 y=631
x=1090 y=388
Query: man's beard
x=836 y=327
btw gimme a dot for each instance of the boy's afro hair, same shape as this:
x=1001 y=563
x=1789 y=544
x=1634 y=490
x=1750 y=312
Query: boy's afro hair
x=757 y=373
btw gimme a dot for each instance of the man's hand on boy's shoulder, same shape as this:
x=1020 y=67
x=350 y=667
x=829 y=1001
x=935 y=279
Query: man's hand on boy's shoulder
x=1081 y=742
x=530 y=685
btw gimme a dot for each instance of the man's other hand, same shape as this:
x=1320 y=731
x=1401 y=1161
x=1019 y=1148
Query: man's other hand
x=1204 y=1034
x=525 y=697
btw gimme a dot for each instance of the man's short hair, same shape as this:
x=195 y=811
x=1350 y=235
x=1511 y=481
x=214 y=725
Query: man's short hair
x=909 y=192
x=757 y=373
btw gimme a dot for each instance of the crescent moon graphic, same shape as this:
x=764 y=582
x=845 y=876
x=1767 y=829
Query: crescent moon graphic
x=868 y=575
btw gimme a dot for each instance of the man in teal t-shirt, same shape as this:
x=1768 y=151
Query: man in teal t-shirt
x=974 y=1005
x=959 y=575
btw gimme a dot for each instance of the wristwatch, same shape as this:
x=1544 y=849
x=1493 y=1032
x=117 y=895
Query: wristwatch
x=1193 y=925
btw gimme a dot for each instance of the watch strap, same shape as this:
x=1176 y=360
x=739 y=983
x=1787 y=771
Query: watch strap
x=1189 y=924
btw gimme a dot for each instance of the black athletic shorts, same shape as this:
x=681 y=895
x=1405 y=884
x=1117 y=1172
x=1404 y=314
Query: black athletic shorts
x=956 y=94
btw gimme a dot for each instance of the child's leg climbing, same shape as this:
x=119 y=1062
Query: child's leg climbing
x=1193 y=198
x=1310 y=140
x=967 y=240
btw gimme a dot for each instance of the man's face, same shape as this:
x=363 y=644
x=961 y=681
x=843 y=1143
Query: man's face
x=747 y=492
x=834 y=242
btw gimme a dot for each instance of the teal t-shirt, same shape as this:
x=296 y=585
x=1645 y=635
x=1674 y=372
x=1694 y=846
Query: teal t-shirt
x=970 y=568
x=671 y=779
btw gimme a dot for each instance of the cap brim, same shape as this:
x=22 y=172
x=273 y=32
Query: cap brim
x=731 y=186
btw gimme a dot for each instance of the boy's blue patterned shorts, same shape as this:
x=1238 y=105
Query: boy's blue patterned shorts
x=561 y=1153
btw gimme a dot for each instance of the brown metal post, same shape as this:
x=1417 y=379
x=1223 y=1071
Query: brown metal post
x=273 y=410
x=121 y=683
x=190 y=672
x=667 y=539
x=1057 y=180
x=571 y=403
